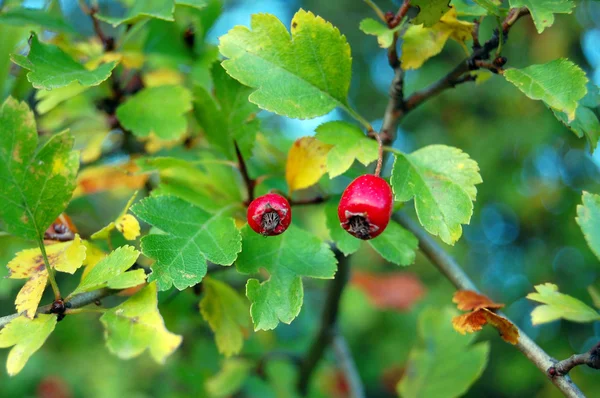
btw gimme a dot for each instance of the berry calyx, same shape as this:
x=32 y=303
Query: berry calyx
x=366 y=207
x=269 y=214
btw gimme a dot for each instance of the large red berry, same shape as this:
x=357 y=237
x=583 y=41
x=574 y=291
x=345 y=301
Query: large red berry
x=269 y=214
x=366 y=207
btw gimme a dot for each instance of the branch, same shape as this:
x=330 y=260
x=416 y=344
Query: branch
x=346 y=363
x=450 y=268
x=590 y=358
x=249 y=182
x=328 y=331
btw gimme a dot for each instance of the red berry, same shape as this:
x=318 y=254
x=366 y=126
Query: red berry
x=366 y=207
x=269 y=214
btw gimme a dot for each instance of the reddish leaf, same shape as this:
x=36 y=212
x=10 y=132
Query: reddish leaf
x=468 y=300
x=474 y=321
x=397 y=291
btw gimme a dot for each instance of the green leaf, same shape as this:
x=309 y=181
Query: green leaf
x=559 y=83
x=430 y=11
x=192 y=237
x=35 y=184
x=159 y=9
x=468 y=8
x=444 y=364
x=585 y=124
x=542 y=11
x=385 y=35
x=303 y=77
x=136 y=325
x=287 y=258
x=229 y=117
x=396 y=244
x=128 y=279
x=227 y=314
x=198 y=4
x=110 y=267
x=347 y=243
x=491 y=6
x=558 y=305
x=588 y=218
x=27 y=336
x=349 y=143
x=29 y=16
x=442 y=180
x=230 y=378
x=49 y=67
x=160 y=110
x=207 y=183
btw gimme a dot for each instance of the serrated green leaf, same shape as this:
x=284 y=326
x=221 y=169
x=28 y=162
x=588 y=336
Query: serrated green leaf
x=304 y=76
x=207 y=183
x=35 y=184
x=396 y=244
x=192 y=237
x=27 y=336
x=443 y=364
x=542 y=11
x=442 y=180
x=588 y=218
x=345 y=242
x=491 y=6
x=127 y=279
x=160 y=110
x=28 y=16
x=559 y=83
x=287 y=258
x=468 y=8
x=110 y=267
x=430 y=11
x=349 y=143
x=385 y=35
x=227 y=314
x=49 y=67
x=585 y=124
x=229 y=117
x=159 y=9
x=230 y=378
x=559 y=305
x=136 y=325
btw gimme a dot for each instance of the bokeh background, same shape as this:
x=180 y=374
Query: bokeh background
x=523 y=231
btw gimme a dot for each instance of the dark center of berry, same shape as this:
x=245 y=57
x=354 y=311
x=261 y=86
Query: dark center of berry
x=359 y=227
x=270 y=220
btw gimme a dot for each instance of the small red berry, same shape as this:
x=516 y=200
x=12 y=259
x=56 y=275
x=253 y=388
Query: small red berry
x=269 y=214
x=366 y=207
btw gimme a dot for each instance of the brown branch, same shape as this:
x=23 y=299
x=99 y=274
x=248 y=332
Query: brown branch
x=451 y=270
x=249 y=182
x=590 y=358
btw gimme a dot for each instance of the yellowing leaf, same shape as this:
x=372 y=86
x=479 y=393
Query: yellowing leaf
x=468 y=300
x=93 y=255
x=109 y=177
x=163 y=77
x=27 y=336
x=227 y=313
x=475 y=320
x=136 y=325
x=421 y=43
x=559 y=305
x=306 y=163
x=125 y=223
x=29 y=264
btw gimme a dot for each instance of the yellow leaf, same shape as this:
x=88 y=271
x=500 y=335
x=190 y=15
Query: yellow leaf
x=162 y=77
x=306 y=163
x=154 y=144
x=129 y=226
x=109 y=177
x=29 y=264
x=460 y=31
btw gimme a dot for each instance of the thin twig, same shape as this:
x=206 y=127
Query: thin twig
x=328 y=326
x=377 y=10
x=346 y=362
x=590 y=358
x=249 y=182
x=451 y=270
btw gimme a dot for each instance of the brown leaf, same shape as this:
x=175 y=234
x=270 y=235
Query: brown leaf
x=474 y=321
x=396 y=291
x=468 y=300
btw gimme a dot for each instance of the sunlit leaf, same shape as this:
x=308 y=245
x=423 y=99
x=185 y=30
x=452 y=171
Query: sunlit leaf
x=20 y=16
x=49 y=67
x=384 y=34
x=136 y=325
x=559 y=305
x=542 y=11
x=430 y=11
x=442 y=180
x=227 y=314
x=27 y=336
x=559 y=83
x=306 y=163
x=287 y=258
x=396 y=244
x=468 y=300
x=302 y=76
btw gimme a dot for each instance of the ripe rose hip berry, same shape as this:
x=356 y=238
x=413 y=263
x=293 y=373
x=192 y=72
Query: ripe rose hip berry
x=269 y=214
x=366 y=207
